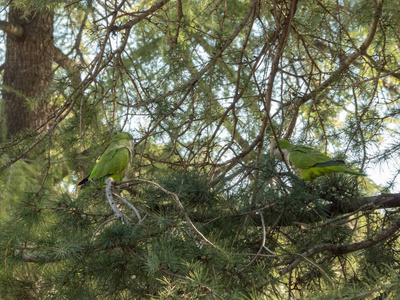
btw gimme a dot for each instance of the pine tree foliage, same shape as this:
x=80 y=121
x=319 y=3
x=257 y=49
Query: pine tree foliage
x=203 y=87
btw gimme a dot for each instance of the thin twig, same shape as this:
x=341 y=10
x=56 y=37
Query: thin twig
x=102 y=224
x=263 y=239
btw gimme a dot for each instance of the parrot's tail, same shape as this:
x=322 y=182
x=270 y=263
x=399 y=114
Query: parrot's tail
x=85 y=182
x=338 y=166
x=354 y=172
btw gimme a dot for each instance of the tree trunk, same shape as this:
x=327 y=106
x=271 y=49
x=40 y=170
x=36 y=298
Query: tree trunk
x=27 y=72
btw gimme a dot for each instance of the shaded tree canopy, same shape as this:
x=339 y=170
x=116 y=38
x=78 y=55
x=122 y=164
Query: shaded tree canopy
x=203 y=87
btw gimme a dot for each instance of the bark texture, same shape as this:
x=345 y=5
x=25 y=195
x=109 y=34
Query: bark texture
x=27 y=72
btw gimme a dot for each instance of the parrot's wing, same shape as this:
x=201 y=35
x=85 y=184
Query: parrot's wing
x=304 y=157
x=329 y=163
x=111 y=163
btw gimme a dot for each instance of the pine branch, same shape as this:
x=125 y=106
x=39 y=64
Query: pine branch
x=371 y=202
x=76 y=211
x=191 y=83
x=339 y=250
x=139 y=18
x=333 y=212
x=349 y=59
x=179 y=203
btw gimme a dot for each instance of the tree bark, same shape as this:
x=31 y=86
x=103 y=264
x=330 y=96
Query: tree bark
x=27 y=72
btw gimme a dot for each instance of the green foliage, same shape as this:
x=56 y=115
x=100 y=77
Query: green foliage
x=221 y=219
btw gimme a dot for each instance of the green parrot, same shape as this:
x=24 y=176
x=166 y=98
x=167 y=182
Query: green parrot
x=309 y=162
x=113 y=161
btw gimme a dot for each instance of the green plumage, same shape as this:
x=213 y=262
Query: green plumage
x=309 y=162
x=113 y=161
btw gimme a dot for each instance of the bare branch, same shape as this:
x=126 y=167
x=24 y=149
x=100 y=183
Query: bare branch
x=110 y=198
x=131 y=206
x=10 y=28
x=63 y=60
x=279 y=51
